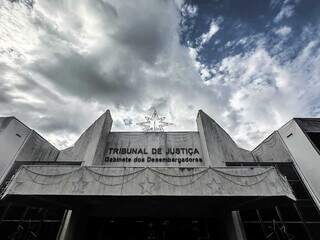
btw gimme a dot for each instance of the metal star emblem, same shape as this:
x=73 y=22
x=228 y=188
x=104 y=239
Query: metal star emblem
x=154 y=123
x=80 y=185
x=146 y=186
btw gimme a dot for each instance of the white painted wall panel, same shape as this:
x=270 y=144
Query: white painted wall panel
x=12 y=135
x=306 y=158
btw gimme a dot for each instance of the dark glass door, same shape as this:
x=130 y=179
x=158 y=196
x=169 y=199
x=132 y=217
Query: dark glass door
x=155 y=229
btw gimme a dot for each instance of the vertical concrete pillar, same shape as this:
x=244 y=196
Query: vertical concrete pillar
x=217 y=146
x=90 y=147
x=96 y=146
x=203 y=140
x=234 y=227
x=65 y=227
x=74 y=225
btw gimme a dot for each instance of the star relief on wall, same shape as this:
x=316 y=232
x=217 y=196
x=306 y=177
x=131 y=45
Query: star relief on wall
x=80 y=185
x=214 y=184
x=146 y=186
x=154 y=123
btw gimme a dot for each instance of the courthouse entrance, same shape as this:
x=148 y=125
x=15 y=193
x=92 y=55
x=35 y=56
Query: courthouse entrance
x=139 y=185
x=155 y=229
x=148 y=203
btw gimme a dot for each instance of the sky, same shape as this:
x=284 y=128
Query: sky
x=251 y=65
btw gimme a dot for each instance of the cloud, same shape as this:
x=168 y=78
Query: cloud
x=205 y=37
x=189 y=10
x=283 y=31
x=263 y=94
x=74 y=59
x=286 y=11
x=63 y=63
x=128 y=121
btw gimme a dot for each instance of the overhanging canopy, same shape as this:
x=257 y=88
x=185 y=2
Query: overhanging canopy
x=148 y=189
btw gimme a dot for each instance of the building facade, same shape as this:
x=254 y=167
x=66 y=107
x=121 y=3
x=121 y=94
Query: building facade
x=160 y=185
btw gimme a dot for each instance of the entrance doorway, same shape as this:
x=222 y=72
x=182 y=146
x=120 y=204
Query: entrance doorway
x=155 y=229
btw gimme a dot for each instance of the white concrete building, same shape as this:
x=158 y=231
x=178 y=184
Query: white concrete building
x=160 y=185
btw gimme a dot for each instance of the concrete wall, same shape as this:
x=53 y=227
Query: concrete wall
x=36 y=149
x=218 y=147
x=18 y=143
x=90 y=147
x=151 y=141
x=272 y=149
x=215 y=146
x=105 y=181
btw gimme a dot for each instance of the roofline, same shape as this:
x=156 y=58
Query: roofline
x=306 y=118
x=155 y=131
x=18 y=121
x=32 y=130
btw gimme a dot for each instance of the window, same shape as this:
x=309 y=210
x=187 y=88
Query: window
x=297 y=220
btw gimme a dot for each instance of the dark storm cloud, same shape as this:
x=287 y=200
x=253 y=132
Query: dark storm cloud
x=30 y=85
x=144 y=38
x=64 y=62
x=74 y=55
x=161 y=104
x=84 y=76
x=57 y=124
x=113 y=71
x=4 y=97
